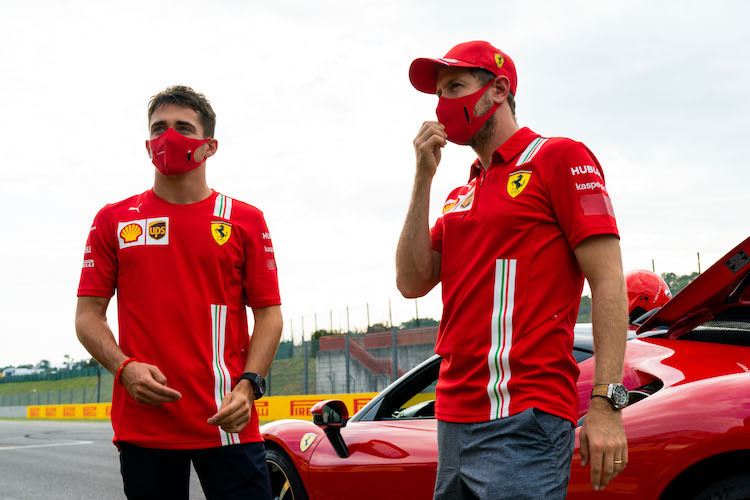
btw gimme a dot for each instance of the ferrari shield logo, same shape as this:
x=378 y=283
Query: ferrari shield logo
x=221 y=231
x=517 y=182
x=307 y=440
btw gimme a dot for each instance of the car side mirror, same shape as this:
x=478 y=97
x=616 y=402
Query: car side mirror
x=332 y=415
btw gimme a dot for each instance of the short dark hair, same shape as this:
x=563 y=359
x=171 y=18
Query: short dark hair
x=184 y=96
x=485 y=76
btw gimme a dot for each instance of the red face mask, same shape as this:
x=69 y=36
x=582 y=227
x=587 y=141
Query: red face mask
x=457 y=115
x=172 y=153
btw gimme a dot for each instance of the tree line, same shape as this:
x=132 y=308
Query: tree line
x=674 y=282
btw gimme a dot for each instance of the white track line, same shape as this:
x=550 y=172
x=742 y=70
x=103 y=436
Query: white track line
x=19 y=447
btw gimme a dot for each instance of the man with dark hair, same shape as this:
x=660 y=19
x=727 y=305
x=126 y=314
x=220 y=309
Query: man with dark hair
x=511 y=249
x=185 y=260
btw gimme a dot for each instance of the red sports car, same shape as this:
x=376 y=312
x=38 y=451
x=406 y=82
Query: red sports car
x=688 y=420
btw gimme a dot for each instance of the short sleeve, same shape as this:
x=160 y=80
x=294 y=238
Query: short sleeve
x=259 y=277
x=579 y=196
x=436 y=235
x=99 y=273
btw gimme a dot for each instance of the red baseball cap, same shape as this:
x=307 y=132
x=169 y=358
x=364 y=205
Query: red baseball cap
x=423 y=72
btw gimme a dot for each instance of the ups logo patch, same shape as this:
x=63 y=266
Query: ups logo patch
x=157 y=230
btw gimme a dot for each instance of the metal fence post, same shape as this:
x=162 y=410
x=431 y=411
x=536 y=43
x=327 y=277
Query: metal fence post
x=346 y=357
x=59 y=396
x=98 y=384
x=307 y=367
x=395 y=355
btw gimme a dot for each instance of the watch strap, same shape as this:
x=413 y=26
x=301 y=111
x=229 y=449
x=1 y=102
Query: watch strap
x=601 y=390
x=607 y=391
x=258 y=383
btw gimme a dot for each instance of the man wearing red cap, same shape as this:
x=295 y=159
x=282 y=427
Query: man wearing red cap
x=511 y=249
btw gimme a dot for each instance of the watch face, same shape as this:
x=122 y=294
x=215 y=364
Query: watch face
x=261 y=386
x=620 y=395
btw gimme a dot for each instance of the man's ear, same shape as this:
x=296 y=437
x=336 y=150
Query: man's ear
x=501 y=85
x=213 y=146
x=148 y=148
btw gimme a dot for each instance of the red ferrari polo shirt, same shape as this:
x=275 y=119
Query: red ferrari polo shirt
x=183 y=275
x=511 y=283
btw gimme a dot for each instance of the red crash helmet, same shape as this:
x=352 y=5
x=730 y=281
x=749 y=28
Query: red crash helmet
x=646 y=291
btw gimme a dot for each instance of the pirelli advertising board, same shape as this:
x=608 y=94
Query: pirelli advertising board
x=268 y=408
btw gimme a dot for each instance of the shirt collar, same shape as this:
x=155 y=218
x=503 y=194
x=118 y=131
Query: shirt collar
x=507 y=150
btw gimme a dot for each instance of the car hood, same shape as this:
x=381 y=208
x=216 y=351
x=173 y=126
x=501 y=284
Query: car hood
x=721 y=292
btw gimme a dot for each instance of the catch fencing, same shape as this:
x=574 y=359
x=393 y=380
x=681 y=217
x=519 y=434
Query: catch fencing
x=334 y=364
x=93 y=387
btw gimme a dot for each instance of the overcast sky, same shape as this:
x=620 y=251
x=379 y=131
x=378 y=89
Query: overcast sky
x=315 y=124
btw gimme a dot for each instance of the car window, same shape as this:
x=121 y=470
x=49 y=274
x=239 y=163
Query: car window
x=581 y=354
x=414 y=397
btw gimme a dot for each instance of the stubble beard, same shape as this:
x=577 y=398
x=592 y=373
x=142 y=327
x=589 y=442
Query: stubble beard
x=485 y=134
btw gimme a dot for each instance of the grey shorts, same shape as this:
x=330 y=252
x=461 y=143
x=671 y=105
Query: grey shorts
x=526 y=455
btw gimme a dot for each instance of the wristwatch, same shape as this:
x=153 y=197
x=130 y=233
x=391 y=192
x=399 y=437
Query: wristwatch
x=616 y=394
x=258 y=383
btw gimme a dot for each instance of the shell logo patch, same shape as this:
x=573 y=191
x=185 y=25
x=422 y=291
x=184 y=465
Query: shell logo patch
x=448 y=205
x=306 y=441
x=462 y=203
x=517 y=182
x=499 y=60
x=131 y=232
x=221 y=231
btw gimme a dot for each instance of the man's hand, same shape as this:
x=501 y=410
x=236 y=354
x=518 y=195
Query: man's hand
x=147 y=384
x=236 y=408
x=603 y=443
x=427 y=144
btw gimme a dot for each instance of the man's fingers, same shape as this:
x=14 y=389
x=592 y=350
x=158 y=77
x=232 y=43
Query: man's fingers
x=225 y=401
x=229 y=406
x=584 y=448
x=430 y=144
x=162 y=390
x=235 y=420
x=436 y=126
x=608 y=467
x=144 y=394
x=145 y=383
x=429 y=132
x=157 y=374
x=595 y=456
x=236 y=428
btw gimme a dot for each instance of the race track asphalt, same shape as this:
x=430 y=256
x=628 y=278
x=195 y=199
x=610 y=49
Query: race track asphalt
x=62 y=460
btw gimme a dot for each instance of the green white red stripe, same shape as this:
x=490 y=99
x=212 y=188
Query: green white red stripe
x=501 y=331
x=223 y=207
x=531 y=150
x=222 y=378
